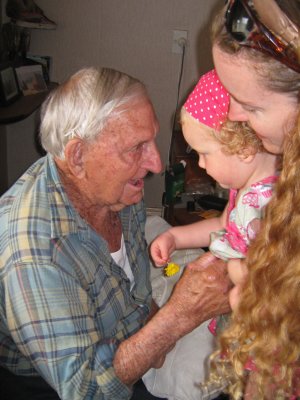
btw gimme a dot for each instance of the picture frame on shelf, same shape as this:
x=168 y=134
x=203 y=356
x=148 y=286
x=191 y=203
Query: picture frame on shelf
x=44 y=61
x=31 y=79
x=9 y=88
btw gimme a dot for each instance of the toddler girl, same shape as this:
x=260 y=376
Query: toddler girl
x=233 y=155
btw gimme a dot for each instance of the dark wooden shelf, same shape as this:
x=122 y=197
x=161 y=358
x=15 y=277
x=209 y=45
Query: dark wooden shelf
x=180 y=216
x=23 y=106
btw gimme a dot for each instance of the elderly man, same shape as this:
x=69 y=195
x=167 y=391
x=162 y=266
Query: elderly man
x=77 y=319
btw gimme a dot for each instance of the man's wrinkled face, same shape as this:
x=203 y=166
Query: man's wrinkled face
x=123 y=154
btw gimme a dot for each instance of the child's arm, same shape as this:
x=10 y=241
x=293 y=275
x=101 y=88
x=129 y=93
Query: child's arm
x=184 y=237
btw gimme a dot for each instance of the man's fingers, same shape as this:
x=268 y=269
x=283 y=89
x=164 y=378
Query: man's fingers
x=202 y=262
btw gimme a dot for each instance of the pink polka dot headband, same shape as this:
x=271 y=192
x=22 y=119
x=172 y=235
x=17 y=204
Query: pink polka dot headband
x=209 y=101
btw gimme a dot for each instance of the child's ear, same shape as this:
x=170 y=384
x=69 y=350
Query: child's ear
x=247 y=159
x=74 y=157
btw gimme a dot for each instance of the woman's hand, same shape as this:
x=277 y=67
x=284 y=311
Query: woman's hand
x=237 y=271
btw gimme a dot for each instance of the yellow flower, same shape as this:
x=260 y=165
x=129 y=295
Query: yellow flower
x=171 y=269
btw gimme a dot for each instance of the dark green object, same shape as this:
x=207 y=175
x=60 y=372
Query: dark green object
x=174 y=182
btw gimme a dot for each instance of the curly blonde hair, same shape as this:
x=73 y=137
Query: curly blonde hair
x=265 y=328
x=235 y=137
x=238 y=138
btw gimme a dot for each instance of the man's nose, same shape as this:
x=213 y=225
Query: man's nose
x=152 y=160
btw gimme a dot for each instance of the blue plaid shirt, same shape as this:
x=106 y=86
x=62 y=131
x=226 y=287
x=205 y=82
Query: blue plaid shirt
x=65 y=304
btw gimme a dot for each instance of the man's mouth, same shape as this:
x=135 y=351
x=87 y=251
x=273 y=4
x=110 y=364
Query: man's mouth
x=138 y=183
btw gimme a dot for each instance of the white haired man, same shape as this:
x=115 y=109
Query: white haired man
x=77 y=319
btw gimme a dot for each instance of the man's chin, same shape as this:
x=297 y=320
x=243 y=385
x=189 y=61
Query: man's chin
x=130 y=199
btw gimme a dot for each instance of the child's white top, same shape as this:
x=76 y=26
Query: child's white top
x=233 y=242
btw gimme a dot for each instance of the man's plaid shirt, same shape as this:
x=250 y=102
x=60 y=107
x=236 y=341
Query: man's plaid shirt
x=65 y=304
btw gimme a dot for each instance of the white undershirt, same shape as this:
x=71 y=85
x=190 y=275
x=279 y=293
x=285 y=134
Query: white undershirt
x=120 y=257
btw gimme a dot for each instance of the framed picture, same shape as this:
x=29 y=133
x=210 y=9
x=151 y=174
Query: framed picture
x=9 y=89
x=31 y=79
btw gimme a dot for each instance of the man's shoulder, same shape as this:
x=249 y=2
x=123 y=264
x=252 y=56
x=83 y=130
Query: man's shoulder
x=32 y=212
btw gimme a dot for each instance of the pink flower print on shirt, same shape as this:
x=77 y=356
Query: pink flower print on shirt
x=235 y=239
x=267 y=193
x=251 y=198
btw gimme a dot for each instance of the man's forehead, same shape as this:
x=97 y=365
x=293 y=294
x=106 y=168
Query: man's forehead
x=139 y=112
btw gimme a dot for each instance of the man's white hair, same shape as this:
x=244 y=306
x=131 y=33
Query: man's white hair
x=82 y=105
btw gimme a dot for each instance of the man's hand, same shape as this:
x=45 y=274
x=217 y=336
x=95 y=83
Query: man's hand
x=202 y=292
x=202 y=262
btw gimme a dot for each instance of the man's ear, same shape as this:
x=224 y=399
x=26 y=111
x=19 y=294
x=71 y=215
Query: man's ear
x=74 y=157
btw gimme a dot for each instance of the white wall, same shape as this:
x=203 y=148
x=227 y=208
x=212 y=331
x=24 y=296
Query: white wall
x=134 y=36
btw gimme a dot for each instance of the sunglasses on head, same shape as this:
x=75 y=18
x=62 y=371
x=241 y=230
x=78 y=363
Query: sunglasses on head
x=243 y=24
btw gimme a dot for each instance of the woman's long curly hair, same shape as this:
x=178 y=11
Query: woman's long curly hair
x=265 y=328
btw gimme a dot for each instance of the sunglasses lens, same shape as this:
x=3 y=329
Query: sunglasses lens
x=238 y=22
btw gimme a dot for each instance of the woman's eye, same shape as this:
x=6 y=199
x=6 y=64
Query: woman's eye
x=249 y=109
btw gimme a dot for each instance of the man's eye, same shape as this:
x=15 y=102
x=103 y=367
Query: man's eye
x=136 y=148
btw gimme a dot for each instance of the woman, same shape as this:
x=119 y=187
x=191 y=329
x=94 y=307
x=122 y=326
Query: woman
x=256 y=50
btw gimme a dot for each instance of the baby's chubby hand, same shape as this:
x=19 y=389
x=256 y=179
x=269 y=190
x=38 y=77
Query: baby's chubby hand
x=162 y=247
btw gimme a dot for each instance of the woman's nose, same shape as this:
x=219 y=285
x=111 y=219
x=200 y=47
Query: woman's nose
x=236 y=111
x=201 y=162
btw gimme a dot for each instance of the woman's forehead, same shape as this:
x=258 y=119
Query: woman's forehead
x=238 y=75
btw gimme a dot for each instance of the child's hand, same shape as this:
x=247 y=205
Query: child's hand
x=162 y=247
